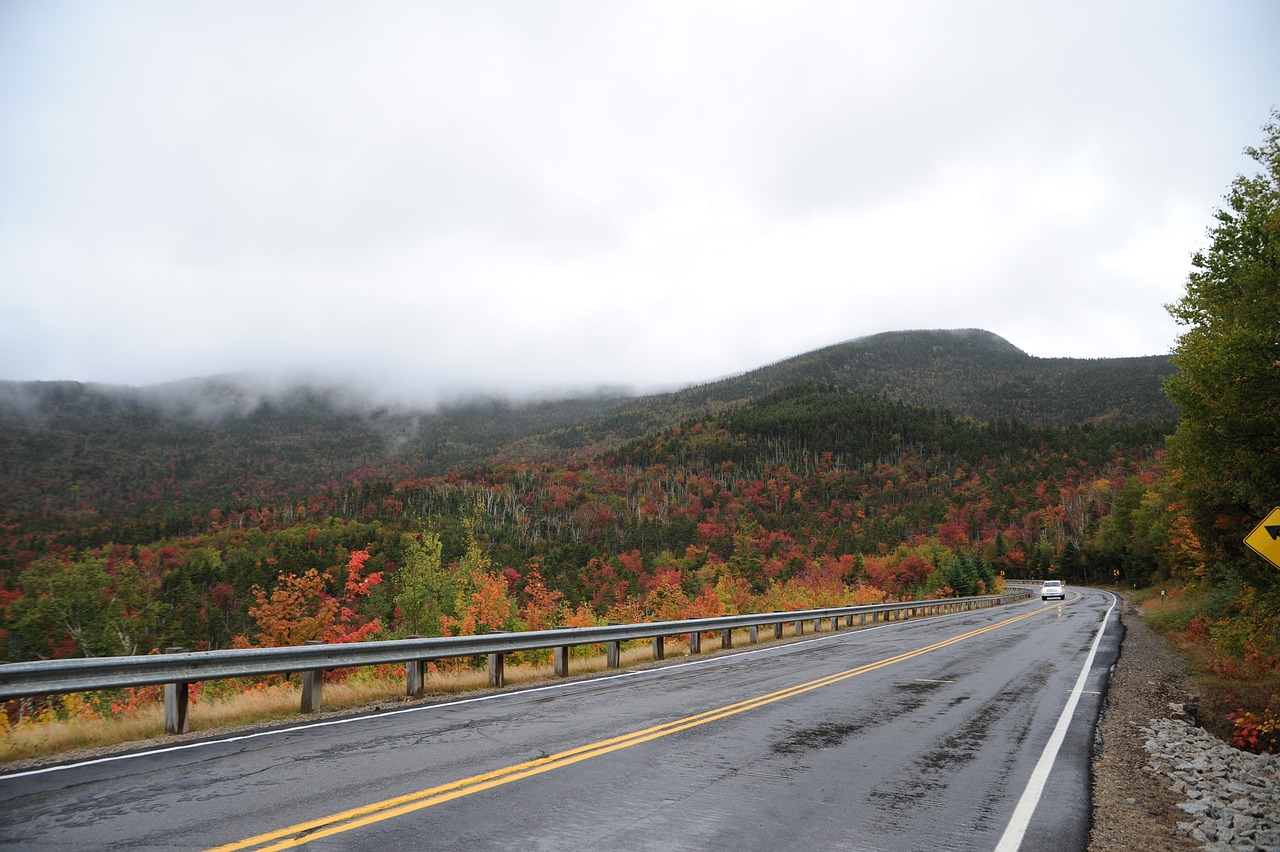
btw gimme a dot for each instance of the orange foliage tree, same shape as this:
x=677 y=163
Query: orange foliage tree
x=486 y=605
x=300 y=609
x=541 y=606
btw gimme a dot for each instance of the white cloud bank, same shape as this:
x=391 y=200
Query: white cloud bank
x=515 y=196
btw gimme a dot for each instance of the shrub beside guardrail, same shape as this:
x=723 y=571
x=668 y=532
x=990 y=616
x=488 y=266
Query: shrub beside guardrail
x=176 y=669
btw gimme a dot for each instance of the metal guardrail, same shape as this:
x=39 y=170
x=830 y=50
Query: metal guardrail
x=177 y=669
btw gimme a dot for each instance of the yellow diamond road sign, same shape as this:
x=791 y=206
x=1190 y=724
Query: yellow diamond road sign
x=1265 y=538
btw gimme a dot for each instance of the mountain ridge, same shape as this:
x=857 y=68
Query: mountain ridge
x=968 y=372
x=69 y=449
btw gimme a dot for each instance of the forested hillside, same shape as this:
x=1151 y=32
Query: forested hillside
x=811 y=495
x=968 y=372
x=88 y=464
x=975 y=374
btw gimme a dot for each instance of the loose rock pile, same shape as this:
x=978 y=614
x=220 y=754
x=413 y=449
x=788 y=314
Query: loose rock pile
x=1232 y=796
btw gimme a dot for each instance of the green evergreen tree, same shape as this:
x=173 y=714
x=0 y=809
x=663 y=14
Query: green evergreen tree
x=1227 y=444
x=1071 y=563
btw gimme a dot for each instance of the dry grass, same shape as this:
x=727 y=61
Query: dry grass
x=45 y=736
x=34 y=738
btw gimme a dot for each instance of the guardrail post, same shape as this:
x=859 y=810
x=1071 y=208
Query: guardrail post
x=777 y=630
x=415 y=676
x=726 y=638
x=695 y=642
x=613 y=654
x=799 y=628
x=755 y=634
x=659 y=647
x=176 y=696
x=312 y=685
x=497 y=669
x=561 y=656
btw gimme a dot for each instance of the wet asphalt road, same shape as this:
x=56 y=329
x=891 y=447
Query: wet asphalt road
x=918 y=735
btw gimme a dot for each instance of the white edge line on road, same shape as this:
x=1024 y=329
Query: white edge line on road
x=1011 y=840
x=44 y=770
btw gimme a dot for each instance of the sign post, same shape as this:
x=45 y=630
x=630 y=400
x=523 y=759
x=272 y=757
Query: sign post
x=1265 y=538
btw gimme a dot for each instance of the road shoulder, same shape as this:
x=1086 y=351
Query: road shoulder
x=1133 y=808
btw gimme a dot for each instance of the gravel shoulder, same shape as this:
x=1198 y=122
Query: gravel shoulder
x=1133 y=807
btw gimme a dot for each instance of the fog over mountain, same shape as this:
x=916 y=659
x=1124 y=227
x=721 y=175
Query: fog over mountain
x=428 y=200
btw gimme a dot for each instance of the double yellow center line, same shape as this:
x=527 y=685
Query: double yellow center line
x=305 y=832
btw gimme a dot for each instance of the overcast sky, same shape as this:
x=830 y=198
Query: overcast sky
x=524 y=196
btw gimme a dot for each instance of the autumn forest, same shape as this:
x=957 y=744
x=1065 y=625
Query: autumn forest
x=131 y=526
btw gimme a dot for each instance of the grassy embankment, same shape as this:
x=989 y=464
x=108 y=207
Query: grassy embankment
x=1231 y=656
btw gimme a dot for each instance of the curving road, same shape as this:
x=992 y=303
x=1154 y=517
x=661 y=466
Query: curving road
x=963 y=732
